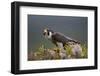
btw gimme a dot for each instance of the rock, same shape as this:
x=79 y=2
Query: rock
x=63 y=54
x=76 y=50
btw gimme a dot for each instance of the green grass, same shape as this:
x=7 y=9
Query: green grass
x=84 y=51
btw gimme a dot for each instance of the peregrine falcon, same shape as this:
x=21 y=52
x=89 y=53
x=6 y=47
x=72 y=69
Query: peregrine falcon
x=60 y=40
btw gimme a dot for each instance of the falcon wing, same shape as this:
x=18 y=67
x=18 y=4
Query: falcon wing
x=58 y=37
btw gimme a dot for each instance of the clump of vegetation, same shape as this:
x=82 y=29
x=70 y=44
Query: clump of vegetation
x=84 y=51
x=43 y=53
x=68 y=50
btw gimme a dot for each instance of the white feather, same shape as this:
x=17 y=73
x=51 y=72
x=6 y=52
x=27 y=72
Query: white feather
x=50 y=35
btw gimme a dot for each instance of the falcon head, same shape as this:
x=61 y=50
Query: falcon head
x=48 y=33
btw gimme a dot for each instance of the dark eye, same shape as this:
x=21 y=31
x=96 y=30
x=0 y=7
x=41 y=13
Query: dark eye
x=48 y=33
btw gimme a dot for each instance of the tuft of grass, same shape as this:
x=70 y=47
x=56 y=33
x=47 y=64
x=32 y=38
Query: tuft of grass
x=68 y=50
x=84 y=51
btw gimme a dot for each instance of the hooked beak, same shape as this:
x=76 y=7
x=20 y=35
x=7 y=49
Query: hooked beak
x=44 y=33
